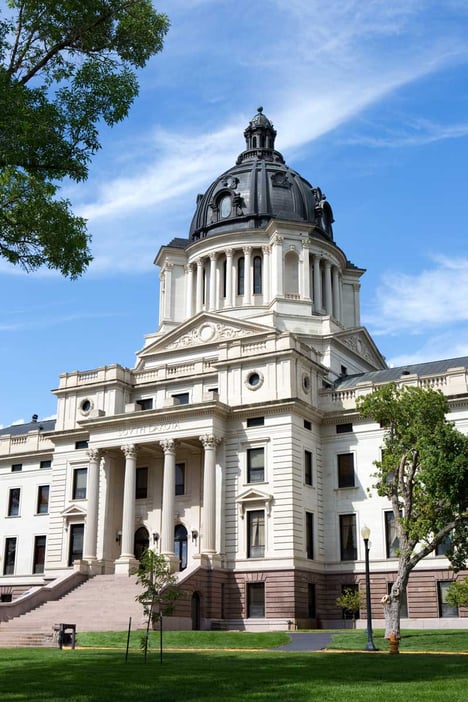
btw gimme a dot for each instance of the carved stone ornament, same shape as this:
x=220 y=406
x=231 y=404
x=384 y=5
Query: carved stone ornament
x=207 y=332
x=358 y=346
x=129 y=450
x=209 y=441
x=93 y=454
x=230 y=182
x=168 y=445
x=280 y=180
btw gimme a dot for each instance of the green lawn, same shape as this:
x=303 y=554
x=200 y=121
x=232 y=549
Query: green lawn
x=86 y=675
x=438 y=640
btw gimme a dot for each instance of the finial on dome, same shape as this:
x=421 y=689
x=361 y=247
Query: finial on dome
x=260 y=109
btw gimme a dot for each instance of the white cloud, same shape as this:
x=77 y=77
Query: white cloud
x=451 y=344
x=426 y=300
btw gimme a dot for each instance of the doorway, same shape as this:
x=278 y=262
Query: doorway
x=141 y=542
x=75 y=552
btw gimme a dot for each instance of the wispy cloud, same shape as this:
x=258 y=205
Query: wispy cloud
x=411 y=133
x=418 y=302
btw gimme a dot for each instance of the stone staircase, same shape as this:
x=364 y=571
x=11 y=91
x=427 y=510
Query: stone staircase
x=102 y=603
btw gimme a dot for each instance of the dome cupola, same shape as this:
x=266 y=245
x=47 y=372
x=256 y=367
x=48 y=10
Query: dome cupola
x=259 y=188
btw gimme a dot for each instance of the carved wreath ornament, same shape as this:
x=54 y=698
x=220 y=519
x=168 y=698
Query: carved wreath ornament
x=207 y=332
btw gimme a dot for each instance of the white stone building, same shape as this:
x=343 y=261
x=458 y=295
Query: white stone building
x=233 y=446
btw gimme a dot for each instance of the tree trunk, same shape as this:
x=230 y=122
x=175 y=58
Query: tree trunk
x=392 y=602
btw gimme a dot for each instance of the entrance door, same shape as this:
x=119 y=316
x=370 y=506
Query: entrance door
x=180 y=545
x=141 y=543
x=196 y=611
x=76 y=543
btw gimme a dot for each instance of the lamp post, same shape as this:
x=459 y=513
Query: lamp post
x=365 y=533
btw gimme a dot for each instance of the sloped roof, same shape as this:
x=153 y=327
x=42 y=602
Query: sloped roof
x=19 y=429
x=393 y=374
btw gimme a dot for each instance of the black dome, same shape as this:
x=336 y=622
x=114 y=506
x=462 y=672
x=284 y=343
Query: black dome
x=260 y=187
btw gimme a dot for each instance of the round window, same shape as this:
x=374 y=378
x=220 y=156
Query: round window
x=306 y=383
x=86 y=406
x=254 y=380
x=225 y=206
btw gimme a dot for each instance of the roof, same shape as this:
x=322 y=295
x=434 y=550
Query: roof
x=19 y=429
x=393 y=374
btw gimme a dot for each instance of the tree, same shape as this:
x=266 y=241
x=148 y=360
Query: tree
x=65 y=67
x=457 y=594
x=159 y=592
x=424 y=473
x=350 y=600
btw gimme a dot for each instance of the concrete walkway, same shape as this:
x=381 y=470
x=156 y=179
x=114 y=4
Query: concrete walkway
x=303 y=642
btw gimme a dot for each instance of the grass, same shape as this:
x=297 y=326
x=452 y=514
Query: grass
x=86 y=675
x=436 y=640
x=187 y=639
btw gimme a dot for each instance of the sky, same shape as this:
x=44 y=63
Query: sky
x=369 y=100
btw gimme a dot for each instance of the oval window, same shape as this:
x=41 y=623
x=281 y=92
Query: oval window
x=225 y=206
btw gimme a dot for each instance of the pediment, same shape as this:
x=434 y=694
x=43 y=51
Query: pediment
x=360 y=342
x=202 y=330
x=253 y=496
x=73 y=511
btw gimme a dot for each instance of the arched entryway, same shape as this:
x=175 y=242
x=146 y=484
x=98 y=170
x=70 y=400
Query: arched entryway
x=141 y=542
x=180 y=545
x=196 y=611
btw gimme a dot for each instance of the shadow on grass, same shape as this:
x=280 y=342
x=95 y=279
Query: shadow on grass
x=99 y=676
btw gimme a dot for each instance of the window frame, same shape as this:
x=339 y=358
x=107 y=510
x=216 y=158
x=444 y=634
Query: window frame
x=41 y=503
x=39 y=554
x=181 y=398
x=308 y=468
x=251 y=470
x=345 y=550
x=256 y=533
x=345 y=471
x=76 y=488
x=257 y=275
x=258 y=606
x=392 y=543
x=9 y=551
x=14 y=505
x=445 y=610
x=309 y=534
x=180 y=478
x=141 y=483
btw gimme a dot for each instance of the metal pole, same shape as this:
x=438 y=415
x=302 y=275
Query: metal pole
x=370 y=643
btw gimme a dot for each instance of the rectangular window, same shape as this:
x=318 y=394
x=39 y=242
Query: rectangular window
x=255 y=421
x=256 y=600
x=311 y=601
x=308 y=479
x=83 y=444
x=10 y=556
x=403 y=601
x=182 y=398
x=256 y=533
x=345 y=470
x=310 y=535
x=6 y=597
x=145 y=404
x=391 y=537
x=255 y=465
x=344 y=428
x=14 y=502
x=43 y=499
x=45 y=464
x=348 y=544
x=80 y=476
x=443 y=547
x=180 y=479
x=307 y=424
x=39 y=554
x=445 y=610
x=141 y=486
x=16 y=467
x=76 y=543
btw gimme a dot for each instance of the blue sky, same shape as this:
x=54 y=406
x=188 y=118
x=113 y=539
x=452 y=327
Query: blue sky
x=369 y=100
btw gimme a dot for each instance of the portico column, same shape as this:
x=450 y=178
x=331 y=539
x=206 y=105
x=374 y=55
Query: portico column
x=168 y=502
x=90 y=536
x=199 y=292
x=277 y=266
x=317 y=284
x=305 y=292
x=212 y=300
x=189 y=290
x=209 y=442
x=128 y=516
x=168 y=290
x=247 y=275
x=328 y=290
x=229 y=253
x=336 y=293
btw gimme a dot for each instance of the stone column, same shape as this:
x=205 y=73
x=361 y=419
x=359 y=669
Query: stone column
x=277 y=266
x=317 y=284
x=209 y=442
x=168 y=503
x=266 y=274
x=128 y=516
x=305 y=291
x=90 y=535
x=336 y=293
x=247 y=275
x=199 y=291
x=168 y=290
x=229 y=254
x=328 y=288
x=212 y=301
x=188 y=290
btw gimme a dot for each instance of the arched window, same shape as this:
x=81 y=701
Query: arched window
x=240 y=275
x=254 y=142
x=180 y=545
x=141 y=543
x=291 y=273
x=257 y=275
x=224 y=277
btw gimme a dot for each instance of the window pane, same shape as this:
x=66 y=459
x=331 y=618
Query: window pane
x=308 y=467
x=43 y=499
x=345 y=470
x=256 y=600
x=348 y=537
x=309 y=535
x=391 y=536
x=240 y=276
x=445 y=610
x=257 y=275
x=180 y=479
x=76 y=543
x=39 y=554
x=10 y=556
x=80 y=476
x=141 y=488
x=46 y=464
x=255 y=465
x=256 y=534
x=182 y=398
x=14 y=502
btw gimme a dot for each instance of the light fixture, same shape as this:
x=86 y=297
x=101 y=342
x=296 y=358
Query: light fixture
x=155 y=537
x=118 y=537
x=194 y=534
x=370 y=646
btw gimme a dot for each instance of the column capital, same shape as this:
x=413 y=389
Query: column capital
x=266 y=249
x=209 y=440
x=247 y=250
x=213 y=255
x=199 y=263
x=277 y=239
x=307 y=243
x=229 y=253
x=130 y=450
x=93 y=454
x=168 y=445
x=188 y=268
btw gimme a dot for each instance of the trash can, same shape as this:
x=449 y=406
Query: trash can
x=66 y=634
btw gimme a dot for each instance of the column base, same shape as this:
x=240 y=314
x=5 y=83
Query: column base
x=173 y=561
x=209 y=560
x=125 y=565
x=88 y=566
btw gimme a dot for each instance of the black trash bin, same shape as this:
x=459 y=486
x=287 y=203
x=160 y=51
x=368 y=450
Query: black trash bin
x=66 y=635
